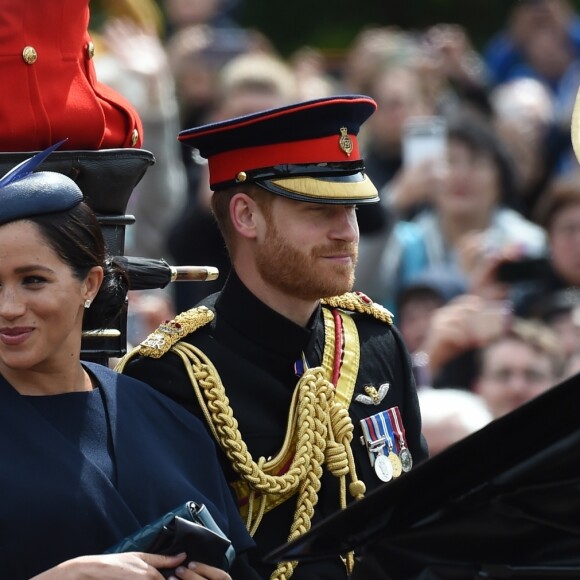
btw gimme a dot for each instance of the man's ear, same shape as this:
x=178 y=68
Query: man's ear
x=245 y=215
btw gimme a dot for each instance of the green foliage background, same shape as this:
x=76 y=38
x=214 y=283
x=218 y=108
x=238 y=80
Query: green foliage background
x=331 y=25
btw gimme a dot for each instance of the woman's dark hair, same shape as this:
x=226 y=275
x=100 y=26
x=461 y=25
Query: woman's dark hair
x=76 y=236
x=478 y=135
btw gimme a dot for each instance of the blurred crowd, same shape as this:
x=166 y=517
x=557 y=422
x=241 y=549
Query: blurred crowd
x=475 y=246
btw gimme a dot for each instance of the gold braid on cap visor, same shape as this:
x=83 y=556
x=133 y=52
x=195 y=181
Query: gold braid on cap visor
x=328 y=189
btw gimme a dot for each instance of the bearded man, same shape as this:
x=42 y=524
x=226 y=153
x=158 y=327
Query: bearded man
x=305 y=385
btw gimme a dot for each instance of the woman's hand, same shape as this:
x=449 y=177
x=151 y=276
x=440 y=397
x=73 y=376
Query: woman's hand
x=465 y=323
x=480 y=265
x=451 y=331
x=131 y=565
x=416 y=185
x=197 y=571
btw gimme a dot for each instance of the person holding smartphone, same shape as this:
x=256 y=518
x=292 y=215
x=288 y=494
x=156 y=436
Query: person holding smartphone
x=477 y=198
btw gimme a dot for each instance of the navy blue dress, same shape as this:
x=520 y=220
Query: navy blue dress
x=80 y=471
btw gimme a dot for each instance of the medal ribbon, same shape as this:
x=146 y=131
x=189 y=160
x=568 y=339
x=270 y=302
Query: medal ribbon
x=390 y=430
x=301 y=366
x=397 y=422
x=370 y=436
x=382 y=420
x=375 y=430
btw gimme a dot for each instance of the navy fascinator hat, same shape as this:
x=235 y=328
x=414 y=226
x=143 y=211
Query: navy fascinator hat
x=25 y=193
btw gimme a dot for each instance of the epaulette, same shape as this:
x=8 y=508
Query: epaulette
x=171 y=331
x=359 y=302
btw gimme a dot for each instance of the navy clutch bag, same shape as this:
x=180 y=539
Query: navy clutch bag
x=188 y=528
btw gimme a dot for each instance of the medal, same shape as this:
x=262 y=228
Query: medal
x=378 y=434
x=373 y=440
x=383 y=467
x=406 y=459
x=393 y=448
x=404 y=453
x=396 y=463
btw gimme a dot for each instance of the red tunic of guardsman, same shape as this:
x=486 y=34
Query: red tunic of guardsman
x=50 y=91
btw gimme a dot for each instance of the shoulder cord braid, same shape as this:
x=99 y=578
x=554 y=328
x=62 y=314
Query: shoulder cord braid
x=319 y=429
x=310 y=409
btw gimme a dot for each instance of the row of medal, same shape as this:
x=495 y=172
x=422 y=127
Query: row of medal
x=384 y=437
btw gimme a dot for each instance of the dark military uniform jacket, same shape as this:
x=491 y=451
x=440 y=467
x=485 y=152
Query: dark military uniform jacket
x=255 y=351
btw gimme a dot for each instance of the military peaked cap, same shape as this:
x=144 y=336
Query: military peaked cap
x=307 y=151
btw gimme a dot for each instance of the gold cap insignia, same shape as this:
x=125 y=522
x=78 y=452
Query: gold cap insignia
x=345 y=142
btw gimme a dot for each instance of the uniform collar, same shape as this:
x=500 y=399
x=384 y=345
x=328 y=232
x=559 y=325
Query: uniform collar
x=259 y=323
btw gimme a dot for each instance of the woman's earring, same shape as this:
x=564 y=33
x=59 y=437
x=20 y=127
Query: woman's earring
x=88 y=303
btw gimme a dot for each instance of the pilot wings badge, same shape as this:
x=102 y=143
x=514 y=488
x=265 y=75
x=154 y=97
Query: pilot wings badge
x=373 y=396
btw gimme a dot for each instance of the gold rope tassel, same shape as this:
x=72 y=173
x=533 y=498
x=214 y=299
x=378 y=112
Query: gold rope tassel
x=219 y=416
x=340 y=460
x=312 y=433
x=253 y=527
x=309 y=414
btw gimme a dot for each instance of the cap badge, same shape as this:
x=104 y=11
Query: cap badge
x=345 y=142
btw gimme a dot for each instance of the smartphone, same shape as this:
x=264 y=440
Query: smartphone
x=424 y=137
x=524 y=270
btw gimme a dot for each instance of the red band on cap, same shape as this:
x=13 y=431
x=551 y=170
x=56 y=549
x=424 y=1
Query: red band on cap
x=226 y=166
